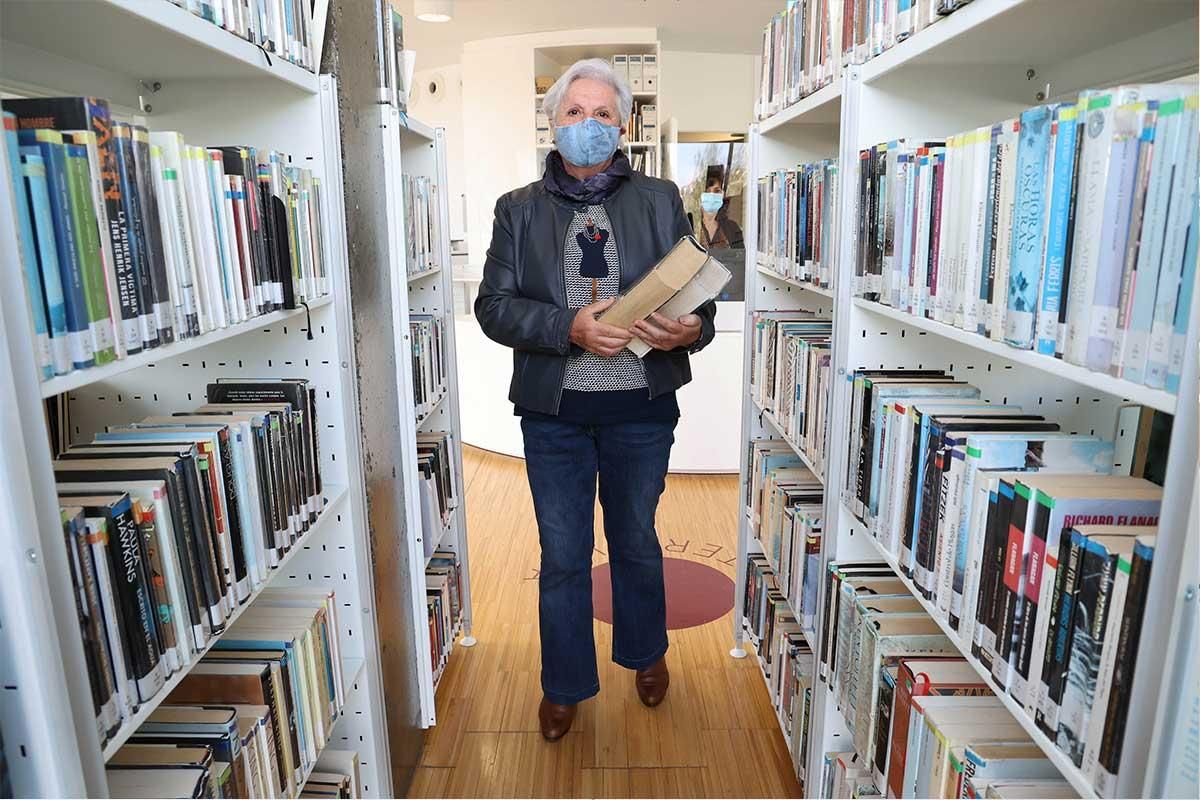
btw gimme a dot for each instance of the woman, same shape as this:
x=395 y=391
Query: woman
x=717 y=230
x=562 y=249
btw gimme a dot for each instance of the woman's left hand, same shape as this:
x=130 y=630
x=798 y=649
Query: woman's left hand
x=664 y=333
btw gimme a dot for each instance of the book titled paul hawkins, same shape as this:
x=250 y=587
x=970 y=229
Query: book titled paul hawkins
x=685 y=279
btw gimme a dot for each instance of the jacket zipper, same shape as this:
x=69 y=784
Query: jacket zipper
x=562 y=281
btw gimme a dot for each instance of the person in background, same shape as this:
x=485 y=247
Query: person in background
x=562 y=250
x=717 y=230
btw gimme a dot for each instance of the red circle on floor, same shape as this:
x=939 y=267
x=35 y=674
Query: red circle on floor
x=696 y=593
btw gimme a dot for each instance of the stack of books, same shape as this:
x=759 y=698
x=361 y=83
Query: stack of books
x=280 y=27
x=174 y=522
x=642 y=125
x=798 y=222
x=790 y=377
x=443 y=603
x=422 y=225
x=132 y=239
x=252 y=718
x=1070 y=230
x=428 y=361
x=809 y=43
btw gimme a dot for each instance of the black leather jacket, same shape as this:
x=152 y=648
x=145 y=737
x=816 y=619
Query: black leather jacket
x=522 y=301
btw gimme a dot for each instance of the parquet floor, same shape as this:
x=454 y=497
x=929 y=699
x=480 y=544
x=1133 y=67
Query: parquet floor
x=715 y=735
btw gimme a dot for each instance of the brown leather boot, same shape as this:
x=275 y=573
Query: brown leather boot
x=652 y=682
x=556 y=719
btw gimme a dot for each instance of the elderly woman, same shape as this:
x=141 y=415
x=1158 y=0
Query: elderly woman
x=562 y=249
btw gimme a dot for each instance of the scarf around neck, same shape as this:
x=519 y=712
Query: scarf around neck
x=593 y=190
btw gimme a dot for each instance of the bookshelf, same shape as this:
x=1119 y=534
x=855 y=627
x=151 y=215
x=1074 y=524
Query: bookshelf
x=417 y=149
x=47 y=718
x=552 y=61
x=988 y=60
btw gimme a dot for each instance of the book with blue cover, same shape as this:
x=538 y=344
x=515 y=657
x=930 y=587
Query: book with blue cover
x=33 y=172
x=1028 y=226
x=1058 y=229
x=49 y=144
x=1129 y=359
x=33 y=283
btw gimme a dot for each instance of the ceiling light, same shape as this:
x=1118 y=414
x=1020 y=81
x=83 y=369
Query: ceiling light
x=434 y=10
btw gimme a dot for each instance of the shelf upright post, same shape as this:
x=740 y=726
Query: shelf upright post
x=751 y=295
x=338 y=257
x=1156 y=694
x=447 y=313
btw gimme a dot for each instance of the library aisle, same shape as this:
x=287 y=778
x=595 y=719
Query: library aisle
x=715 y=735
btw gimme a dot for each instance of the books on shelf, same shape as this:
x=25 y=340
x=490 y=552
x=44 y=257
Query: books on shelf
x=422 y=225
x=443 y=603
x=1018 y=538
x=1069 y=230
x=809 y=43
x=282 y=28
x=784 y=654
x=638 y=70
x=428 y=361
x=642 y=125
x=790 y=377
x=132 y=239
x=174 y=522
x=798 y=213
x=250 y=718
x=438 y=487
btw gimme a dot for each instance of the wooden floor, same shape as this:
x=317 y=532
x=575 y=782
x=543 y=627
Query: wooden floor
x=715 y=735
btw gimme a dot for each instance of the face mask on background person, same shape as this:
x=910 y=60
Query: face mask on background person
x=587 y=143
x=711 y=202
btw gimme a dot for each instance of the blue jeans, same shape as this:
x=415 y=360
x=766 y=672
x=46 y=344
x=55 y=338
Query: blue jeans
x=563 y=460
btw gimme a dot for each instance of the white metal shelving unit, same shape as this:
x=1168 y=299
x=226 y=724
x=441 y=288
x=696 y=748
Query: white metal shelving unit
x=216 y=89
x=417 y=149
x=968 y=69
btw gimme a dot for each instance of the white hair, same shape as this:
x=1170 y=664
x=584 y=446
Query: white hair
x=596 y=69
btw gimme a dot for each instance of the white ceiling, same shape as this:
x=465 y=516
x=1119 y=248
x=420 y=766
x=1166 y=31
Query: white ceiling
x=716 y=26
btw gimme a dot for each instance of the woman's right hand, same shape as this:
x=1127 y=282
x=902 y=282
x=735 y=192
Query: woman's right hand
x=595 y=336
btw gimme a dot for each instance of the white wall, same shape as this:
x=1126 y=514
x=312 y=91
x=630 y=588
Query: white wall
x=708 y=91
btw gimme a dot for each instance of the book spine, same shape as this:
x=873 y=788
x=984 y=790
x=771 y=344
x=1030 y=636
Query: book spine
x=1129 y=276
x=1110 y=257
x=1010 y=139
x=135 y=228
x=1130 y=361
x=1009 y=589
x=1109 y=757
x=79 y=339
x=104 y=690
x=1026 y=674
x=1104 y=674
x=111 y=614
x=1183 y=307
x=1062 y=642
x=83 y=220
x=1057 y=228
x=1091 y=616
x=134 y=593
x=33 y=170
x=991 y=230
x=100 y=207
x=166 y=184
x=33 y=282
x=1029 y=210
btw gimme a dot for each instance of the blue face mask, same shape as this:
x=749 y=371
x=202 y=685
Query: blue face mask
x=587 y=143
x=711 y=202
